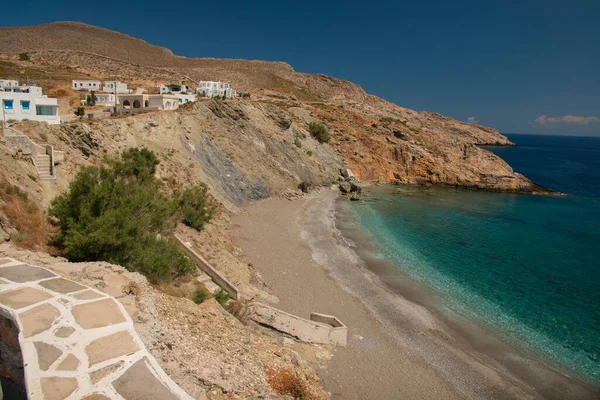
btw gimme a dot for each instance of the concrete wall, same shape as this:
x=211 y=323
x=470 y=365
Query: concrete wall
x=25 y=145
x=215 y=275
x=321 y=328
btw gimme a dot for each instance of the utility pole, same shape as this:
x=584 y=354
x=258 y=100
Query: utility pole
x=3 y=119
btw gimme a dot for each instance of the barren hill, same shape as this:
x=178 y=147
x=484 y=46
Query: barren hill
x=99 y=48
x=377 y=139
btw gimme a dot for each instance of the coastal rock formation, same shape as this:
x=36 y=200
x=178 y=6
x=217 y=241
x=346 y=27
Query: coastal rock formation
x=378 y=140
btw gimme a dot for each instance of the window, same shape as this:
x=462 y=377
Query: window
x=24 y=105
x=8 y=104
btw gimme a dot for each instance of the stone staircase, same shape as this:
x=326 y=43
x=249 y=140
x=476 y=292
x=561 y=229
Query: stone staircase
x=207 y=281
x=44 y=167
x=43 y=156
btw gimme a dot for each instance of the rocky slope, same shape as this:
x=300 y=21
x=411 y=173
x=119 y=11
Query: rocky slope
x=378 y=140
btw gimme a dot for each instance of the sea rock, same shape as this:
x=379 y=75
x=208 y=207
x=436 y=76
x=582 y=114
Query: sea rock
x=354 y=187
x=345 y=187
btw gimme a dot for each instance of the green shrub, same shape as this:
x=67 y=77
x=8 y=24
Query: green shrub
x=201 y=295
x=319 y=132
x=196 y=207
x=115 y=212
x=386 y=120
x=304 y=186
x=24 y=56
x=374 y=125
x=398 y=134
x=309 y=152
x=298 y=143
x=221 y=296
x=79 y=111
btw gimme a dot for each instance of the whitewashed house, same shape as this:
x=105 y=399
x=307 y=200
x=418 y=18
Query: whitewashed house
x=86 y=85
x=176 y=89
x=27 y=103
x=185 y=98
x=110 y=86
x=8 y=83
x=213 y=89
x=147 y=102
x=102 y=99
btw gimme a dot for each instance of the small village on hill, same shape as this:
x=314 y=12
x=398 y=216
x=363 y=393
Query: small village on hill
x=22 y=102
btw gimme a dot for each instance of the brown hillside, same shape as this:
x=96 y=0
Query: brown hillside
x=101 y=49
x=378 y=140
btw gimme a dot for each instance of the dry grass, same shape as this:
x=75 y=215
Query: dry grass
x=286 y=382
x=33 y=229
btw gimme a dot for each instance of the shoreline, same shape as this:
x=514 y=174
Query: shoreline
x=398 y=345
x=522 y=361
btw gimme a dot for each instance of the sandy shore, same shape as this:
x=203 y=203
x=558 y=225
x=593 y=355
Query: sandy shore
x=397 y=348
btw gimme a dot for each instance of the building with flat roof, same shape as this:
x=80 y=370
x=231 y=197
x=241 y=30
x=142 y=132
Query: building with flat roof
x=147 y=102
x=102 y=99
x=214 y=89
x=21 y=103
x=79 y=84
x=111 y=86
x=8 y=83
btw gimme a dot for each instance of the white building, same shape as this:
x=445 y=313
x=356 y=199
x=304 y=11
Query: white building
x=213 y=89
x=185 y=98
x=102 y=99
x=27 y=103
x=148 y=102
x=110 y=86
x=86 y=85
x=176 y=89
x=8 y=83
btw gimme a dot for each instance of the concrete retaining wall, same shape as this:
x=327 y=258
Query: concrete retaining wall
x=25 y=145
x=209 y=270
x=320 y=328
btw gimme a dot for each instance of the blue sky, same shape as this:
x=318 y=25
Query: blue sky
x=519 y=66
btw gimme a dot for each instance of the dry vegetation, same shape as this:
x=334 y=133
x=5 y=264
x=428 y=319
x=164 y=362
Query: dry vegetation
x=29 y=227
x=289 y=383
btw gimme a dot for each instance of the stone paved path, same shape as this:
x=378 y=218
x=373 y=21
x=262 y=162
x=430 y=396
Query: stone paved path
x=77 y=343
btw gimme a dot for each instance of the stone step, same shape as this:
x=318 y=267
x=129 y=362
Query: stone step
x=202 y=277
x=211 y=286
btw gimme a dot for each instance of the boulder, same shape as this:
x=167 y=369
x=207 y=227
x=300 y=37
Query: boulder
x=345 y=187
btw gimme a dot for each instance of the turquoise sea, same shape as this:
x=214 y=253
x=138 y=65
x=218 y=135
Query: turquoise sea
x=527 y=267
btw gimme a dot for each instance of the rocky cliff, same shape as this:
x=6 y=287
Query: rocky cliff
x=378 y=140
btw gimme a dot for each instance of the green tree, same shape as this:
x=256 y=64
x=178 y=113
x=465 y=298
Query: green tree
x=196 y=207
x=91 y=99
x=24 y=56
x=116 y=212
x=80 y=112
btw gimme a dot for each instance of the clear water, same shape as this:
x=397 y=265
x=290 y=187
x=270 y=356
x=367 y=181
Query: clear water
x=527 y=266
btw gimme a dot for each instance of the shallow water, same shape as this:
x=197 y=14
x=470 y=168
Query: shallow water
x=526 y=266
